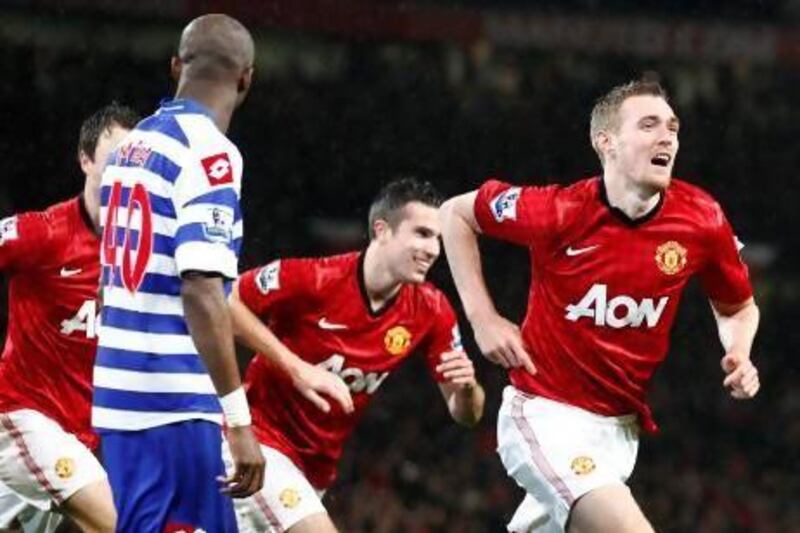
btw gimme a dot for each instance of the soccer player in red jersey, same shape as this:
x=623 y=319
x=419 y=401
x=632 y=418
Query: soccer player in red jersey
x=337 y=327
x=51 y=261
x=610 y=256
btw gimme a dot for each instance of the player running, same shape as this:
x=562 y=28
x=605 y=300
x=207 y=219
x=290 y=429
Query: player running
x=172 y=231
x=610 y=256
x=338 y=326
x=50 y=258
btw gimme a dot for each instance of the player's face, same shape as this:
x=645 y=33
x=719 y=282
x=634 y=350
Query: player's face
x=106 y=142
x=413 y=246
x=645 y=147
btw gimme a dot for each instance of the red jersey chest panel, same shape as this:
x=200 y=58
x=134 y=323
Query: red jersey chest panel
x=319 y=309
x=57 y=284
x=610 y=274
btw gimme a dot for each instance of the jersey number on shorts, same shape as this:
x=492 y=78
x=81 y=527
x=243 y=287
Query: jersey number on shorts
x=132 y=266
x=84 y=320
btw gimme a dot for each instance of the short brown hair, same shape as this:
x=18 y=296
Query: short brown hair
x=102 y=120
x=605 y=114
x=395 y=195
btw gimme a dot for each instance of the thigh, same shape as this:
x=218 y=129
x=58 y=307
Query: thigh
x=609 y=508
x=287 y=502
x=41 y=462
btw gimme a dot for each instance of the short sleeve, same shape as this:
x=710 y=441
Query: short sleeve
x=209 y=219
x=23 y=240
x=264 y=288
x=725 y=277
x=522 y=215
x=445 y=336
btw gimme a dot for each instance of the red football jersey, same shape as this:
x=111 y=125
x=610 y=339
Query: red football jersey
x=52 y=263
x=604 y=288
x=319 y=309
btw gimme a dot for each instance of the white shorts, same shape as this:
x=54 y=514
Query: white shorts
x=286 y=498
x=558 y=453
x=42 y=463
x=14 y=511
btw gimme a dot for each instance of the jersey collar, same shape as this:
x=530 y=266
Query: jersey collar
x=183 y=105
x=621 y=215
x=362 y=289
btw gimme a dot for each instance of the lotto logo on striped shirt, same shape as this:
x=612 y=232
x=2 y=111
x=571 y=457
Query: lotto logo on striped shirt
x=218 y=169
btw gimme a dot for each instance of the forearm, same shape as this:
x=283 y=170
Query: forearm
x=460 y=239
x=466 y=404
x=250 y=331
x=737 y=330
x=209 y=322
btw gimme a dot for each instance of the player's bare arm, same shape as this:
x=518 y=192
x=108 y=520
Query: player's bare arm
x=499 y=339
x=210 y=327
x=737 y=325
x=312 y=382
x=461 y=391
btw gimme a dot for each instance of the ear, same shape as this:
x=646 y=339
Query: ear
x=605 y=143
x=86 y=162
x=245 y=80
x=381 y=229
x=175 y=67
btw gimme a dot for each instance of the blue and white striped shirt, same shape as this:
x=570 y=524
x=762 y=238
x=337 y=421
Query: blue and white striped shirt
x=169 y=204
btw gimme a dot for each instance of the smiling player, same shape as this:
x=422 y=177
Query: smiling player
x=338 y=326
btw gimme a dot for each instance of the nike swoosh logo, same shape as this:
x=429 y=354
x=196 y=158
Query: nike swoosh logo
x=68 y=272
x=324 y=324
x=571 y=252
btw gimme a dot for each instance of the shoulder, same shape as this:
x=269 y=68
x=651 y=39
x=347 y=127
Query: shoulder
x=696 y=201
x=428 y=298
x=316 y=273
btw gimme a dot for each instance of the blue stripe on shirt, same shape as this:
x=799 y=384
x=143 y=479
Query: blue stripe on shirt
x=144 y=322
x=164 y=402
x=160 y=205
x=149 y=362
x=197 y=232
x=151 y=283
x=226 y=197
x=165 y=124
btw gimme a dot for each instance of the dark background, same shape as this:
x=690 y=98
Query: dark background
x=352 y=93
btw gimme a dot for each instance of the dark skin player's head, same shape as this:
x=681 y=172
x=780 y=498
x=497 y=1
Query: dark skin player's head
x=214 y=64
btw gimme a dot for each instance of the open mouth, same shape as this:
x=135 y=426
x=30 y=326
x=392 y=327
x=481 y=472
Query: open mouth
x=661 y=160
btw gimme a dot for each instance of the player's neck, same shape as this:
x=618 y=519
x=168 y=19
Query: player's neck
x=218 y=100
x=633 y=200
x=91 y=201
x=378 y=281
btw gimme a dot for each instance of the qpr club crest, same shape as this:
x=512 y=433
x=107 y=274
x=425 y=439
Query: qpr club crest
x=504 y=205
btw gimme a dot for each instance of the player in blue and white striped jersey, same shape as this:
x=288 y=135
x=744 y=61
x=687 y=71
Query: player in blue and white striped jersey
x=165 y=370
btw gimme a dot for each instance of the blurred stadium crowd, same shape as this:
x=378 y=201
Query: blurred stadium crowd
x=330 y=119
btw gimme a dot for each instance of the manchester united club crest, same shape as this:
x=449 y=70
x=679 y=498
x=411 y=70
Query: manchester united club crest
x=397 y=340
x=671 y=257
x=289 y=498
x=582 y=465
x=65 y=467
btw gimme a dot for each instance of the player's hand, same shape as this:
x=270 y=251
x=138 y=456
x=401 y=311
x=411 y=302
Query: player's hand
x=313 y=382
x=500 y=341
x=457 y=368
x=249 y=464
x=741 y=376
